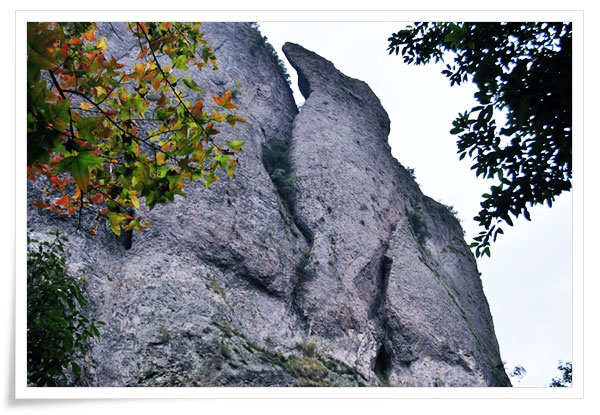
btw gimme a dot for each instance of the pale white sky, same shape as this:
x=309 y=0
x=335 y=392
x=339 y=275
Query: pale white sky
x=528 y=279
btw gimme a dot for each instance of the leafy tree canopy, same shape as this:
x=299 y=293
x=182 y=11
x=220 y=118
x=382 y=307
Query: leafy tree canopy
x=106 y=135
x=567 y=376
x=524 y=70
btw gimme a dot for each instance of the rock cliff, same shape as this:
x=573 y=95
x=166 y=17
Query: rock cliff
x=355 y=278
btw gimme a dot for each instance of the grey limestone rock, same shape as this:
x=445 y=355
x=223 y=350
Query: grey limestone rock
x=234 y=287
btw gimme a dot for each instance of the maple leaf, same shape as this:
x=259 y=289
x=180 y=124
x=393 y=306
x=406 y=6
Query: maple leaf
x=89 y=36
x=63 y=201
x=101 y=44
x=225 y=101
x=197 y=108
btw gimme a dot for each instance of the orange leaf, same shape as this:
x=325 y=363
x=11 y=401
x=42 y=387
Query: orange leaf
x=40 y=204
x=64 y=50
x=90 y=36
x=225 y=101
x=75 y=41
x=197 y=108
x=63 y=201
x=85 y=106
x=97 y=198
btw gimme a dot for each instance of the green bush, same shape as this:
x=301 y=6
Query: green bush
x=278 y=164
x=418 y=226
x=57 y=331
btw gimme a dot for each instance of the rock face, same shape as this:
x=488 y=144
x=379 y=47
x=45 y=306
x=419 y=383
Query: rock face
x=358 y=279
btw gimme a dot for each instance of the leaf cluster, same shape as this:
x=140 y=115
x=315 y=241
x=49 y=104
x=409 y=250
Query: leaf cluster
x=567 y=376
x=90 y=119
x=524 y=70
x=57 y=330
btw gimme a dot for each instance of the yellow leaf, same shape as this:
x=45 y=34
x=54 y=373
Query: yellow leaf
x=218 y=117
x=160 y=159
x=85 y=106
x=199 y=156
x=102 y=43
x=134 y=200
x=100 y=91
x=140 y=68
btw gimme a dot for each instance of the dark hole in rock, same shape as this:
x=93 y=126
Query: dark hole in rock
x=383 y=363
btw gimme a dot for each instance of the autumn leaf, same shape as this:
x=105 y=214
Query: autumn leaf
x=100 y=91
x=40 y=204
x=197 y=108
x=63 y=201
x=112 y=169
x=134 y=200
x=89 y=36
x=217 y=116
x=101 y=44
x=232 y=119
x=225 y=101
x=64 y=50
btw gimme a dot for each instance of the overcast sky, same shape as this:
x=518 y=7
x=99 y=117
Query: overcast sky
x=528 y=279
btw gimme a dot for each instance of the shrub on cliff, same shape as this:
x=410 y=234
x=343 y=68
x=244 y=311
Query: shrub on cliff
x=57 y=329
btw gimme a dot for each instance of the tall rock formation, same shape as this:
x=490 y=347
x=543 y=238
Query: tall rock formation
x=357 y=279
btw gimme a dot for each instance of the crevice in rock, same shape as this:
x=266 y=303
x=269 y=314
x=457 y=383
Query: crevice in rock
x=278 y=163
x=385 y=266
x=383 y=364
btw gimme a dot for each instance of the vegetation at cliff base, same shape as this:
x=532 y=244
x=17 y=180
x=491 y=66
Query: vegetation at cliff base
x=522 y=71
x=57 y=329
x=98 y=139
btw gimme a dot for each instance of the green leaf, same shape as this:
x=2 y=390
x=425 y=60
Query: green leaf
x=191 y=84
x=80 y=168
x=179 y=63
x=235 y=145
x=76 y=369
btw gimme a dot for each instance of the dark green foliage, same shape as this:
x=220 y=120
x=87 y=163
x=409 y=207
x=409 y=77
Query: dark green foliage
x=308 y=349
x=278 y=164
x=567 y=376
x=524 y=69
x=418 y=226
x=57 y=331
x=518 y=373
x=411 y=172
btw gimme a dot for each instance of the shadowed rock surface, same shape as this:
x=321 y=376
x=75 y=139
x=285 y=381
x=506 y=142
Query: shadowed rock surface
x=333 y=286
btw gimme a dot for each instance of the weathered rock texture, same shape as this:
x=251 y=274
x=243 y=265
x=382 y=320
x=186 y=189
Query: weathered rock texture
x=337 y=287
